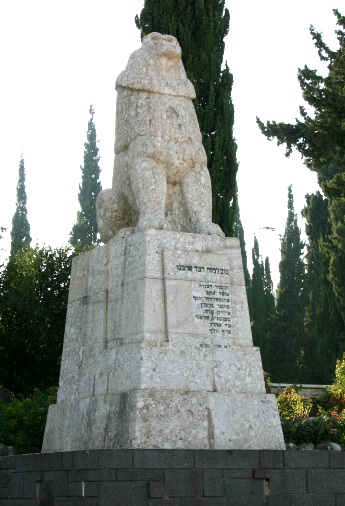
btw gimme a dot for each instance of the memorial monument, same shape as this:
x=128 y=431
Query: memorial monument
x=158 y=350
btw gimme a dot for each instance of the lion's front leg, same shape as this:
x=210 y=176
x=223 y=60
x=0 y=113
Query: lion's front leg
x=149 y=186
x=198 y=197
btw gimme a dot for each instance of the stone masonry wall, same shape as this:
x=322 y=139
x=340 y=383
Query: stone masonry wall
x=174 y=478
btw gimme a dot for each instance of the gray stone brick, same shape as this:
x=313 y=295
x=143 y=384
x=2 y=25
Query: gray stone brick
x=29 y=484
x=29 y=502
x=204 y=501
x=213 y=480
x=77 y=475
x=17 y=485
x=271 y=459
x=278 y=500
x=157 y=489
x=261 y=474
x=337 y=459
x=122 y=494
x=45 y=493
x=245 y=492
x=140 y=475
x=6 y=502
x=303 y=459
x=60 y=483
x=183 y=482
x=88 y=501
x=287 y=481
x=164 y=459
x=115 y=458
x=313 y=500
x=8 y=462
x=102 y=475
x=230 y=474
x=227 y=459
x=4 y=493
x=47 y=462
x=90 y=489
x=67 y=460
x=69 y=501
x=165 y=502
x=74 y=489
x=85 y=460
x=331 y=481
x=24 y=463
x=5 y=478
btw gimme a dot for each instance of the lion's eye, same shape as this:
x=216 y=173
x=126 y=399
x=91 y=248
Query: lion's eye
x=169 y=38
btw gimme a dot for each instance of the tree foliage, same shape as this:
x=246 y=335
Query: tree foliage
x=319 y=136
x=239 y=233
x=286 y=352
x=33 y=301
x=84 y=232
x=20 y=233
x=324 y=326
x=200 y=28
x=262 y=304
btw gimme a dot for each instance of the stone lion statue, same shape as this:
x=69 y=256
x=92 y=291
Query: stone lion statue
x=160 y=176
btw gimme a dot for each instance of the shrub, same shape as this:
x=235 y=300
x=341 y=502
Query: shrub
x=292 y=405
x=321 y=429
x=328 y=422
x=334 y=397
x=22 y=421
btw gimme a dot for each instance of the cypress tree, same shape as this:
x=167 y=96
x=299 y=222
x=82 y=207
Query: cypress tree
x=200 y=27
x=261 y=303
x=324 y=326
x=239 y=233
x=20 y=233
x=320 y=138
x=84 y=232
x=286 y=351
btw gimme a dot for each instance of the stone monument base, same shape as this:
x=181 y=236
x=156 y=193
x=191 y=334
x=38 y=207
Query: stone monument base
x=158 y=350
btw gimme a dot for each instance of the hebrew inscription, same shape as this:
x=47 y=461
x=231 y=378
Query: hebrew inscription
x=211 y=304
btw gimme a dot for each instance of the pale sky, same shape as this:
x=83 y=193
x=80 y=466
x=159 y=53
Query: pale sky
x=58 y=57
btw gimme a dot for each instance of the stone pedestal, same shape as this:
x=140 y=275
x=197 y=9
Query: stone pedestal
x=158 y=350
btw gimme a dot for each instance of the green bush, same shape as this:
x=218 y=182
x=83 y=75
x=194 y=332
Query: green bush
x=22 y=421
x=292 y=405
x=328 y=420
x=316 y=430
x=334 y=397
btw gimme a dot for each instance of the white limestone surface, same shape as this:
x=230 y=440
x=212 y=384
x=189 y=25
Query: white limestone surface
x=151 y=359
x=160 y=175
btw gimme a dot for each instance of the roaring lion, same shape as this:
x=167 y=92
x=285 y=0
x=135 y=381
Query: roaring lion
x=160 y=177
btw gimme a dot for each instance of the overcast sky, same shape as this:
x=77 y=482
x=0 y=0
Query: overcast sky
x=58 y=57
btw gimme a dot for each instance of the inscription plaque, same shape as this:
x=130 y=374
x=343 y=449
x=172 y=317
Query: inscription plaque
x=211 y=305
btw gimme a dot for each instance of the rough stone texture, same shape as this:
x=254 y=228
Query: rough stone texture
x=171 y=477
x=158 y=350
x=160 y=177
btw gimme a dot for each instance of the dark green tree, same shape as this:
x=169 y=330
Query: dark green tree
x=239 y=233
x=20 y=233
x=320 y=139
x=2 y=230
x=286 y=346
x=200 y=28
x=84 y=232
x=324 y=326
x=262 y=305
x=33 y=300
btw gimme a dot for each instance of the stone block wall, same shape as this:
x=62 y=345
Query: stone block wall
x=174 y=478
